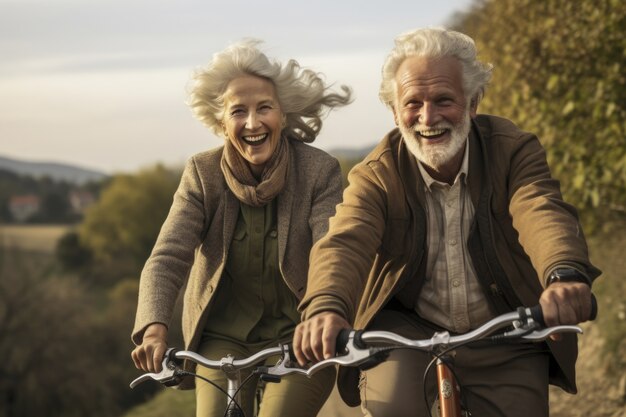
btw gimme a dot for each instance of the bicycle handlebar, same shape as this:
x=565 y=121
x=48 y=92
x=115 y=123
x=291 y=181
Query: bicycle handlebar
x=366 y=348
x=172 y=372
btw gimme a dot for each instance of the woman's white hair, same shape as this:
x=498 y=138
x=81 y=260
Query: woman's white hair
x=436 y=43
x=303 y=96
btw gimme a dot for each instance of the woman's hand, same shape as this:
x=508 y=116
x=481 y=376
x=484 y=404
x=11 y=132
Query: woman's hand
x=149 y=354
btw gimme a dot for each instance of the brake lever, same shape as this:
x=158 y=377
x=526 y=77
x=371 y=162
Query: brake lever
x=169 y=375
x=543 y=334
x=353 y=356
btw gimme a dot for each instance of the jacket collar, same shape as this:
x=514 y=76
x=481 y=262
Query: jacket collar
x=477 y=177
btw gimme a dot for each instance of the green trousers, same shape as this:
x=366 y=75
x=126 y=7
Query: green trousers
x=294 y=396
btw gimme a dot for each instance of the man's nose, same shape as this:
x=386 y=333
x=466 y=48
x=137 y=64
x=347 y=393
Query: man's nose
x=428 y=114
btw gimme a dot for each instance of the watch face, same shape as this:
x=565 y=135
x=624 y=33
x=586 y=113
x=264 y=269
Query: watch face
x=567 y=275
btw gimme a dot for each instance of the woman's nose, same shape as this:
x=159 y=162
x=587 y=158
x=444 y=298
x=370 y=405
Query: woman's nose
x=252 y=122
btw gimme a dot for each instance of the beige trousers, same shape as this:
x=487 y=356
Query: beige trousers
x=497 y=380
x=294 y=396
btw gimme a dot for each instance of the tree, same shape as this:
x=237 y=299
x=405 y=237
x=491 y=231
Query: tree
x=49 y=358
x=559 y=72
x=70 y=253
x=123 y=225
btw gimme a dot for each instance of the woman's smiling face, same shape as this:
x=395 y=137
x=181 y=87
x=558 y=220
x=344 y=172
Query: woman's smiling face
x=252 y=119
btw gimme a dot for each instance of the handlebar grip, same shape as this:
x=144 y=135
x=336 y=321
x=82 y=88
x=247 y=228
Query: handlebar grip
x=594 y=308
x=344 y=336
x=342 y=340
x=537 y=314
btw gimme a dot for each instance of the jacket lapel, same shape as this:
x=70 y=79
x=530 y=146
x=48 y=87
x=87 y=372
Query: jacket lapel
x=231 y=212
x=285 y=201
x=476 y=165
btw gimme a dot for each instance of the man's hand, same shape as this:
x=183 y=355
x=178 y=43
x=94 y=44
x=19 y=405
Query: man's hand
x=149 y=354
x=565 y=303
x=315 y=338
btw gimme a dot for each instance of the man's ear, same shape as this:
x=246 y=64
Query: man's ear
x=473 y=107
x=395 y=115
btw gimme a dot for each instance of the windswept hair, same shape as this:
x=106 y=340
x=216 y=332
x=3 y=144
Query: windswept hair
x=436 y=43
x=303 y=96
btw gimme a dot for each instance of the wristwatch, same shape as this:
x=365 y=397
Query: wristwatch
x=567 y=275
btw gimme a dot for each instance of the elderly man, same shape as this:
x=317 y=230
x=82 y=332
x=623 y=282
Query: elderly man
x=452 y=219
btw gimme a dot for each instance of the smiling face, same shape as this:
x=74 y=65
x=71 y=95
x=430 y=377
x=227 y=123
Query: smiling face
x=252 y=119
x=432 y=113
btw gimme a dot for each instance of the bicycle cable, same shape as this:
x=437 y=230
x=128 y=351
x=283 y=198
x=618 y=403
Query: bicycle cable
x=223 y=391
x=232 y=399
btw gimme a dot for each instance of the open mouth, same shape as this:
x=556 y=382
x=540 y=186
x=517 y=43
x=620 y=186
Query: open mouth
x=432 y=134
x=255 y=140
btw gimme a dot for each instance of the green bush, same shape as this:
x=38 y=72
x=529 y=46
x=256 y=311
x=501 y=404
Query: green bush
x=559 y=72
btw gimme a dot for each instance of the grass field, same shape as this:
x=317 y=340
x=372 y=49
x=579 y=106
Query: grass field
x=38 y=238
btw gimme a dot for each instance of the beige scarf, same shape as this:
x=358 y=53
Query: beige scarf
x=243 y=184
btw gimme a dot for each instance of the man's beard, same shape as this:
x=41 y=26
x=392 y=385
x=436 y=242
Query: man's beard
x=436 y=155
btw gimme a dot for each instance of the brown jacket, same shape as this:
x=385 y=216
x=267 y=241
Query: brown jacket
x=193 y=244
x=376 y=243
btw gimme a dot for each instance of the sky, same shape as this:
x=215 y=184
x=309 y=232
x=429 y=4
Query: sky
x=101 y=84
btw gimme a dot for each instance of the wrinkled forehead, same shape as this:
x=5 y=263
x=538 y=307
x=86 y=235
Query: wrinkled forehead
x=428 y=73
x=249 y=87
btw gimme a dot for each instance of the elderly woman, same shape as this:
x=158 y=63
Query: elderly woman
x=241 y=226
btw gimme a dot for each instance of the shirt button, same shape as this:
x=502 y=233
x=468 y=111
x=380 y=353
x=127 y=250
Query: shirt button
x=456 y=283
x=453 y=242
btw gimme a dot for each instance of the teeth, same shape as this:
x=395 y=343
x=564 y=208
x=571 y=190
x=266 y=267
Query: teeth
x=256 y=138
x=431 y=132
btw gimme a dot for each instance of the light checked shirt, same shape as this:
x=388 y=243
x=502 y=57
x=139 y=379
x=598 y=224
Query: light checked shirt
x=451 y=296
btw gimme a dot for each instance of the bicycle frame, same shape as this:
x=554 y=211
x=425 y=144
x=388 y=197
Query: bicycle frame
x=448 y=389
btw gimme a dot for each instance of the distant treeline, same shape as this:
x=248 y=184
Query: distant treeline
x=26 y=199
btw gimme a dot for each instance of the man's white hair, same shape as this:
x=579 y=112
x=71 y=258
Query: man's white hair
x=436 y=43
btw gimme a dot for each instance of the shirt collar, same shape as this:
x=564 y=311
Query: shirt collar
x=462 y=175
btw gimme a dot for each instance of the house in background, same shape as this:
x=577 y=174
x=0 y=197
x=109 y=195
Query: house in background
x=23 y=207
x=80 y=200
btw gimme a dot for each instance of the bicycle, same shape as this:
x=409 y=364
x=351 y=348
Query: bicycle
x=366 y=349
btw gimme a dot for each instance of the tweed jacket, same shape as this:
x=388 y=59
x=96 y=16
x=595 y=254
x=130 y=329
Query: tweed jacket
x=192 y=246
x=376 y=246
